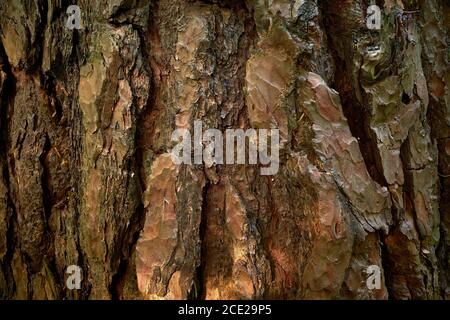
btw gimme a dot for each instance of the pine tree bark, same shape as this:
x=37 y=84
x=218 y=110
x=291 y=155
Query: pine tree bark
x=86 y=178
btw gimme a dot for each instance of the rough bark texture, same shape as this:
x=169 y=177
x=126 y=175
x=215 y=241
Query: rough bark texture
x=86 y=178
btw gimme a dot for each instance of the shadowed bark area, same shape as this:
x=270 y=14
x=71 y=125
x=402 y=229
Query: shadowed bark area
x=87 y=178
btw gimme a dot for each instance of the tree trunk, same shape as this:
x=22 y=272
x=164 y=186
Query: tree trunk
x=87 y=179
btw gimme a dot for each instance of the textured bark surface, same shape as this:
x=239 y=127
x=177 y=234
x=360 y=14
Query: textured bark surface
x=86 y=177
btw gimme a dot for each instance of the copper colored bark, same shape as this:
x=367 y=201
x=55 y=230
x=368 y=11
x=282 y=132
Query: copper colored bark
x=87 y=178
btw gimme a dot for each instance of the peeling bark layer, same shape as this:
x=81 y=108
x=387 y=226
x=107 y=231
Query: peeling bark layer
x=86 y=176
